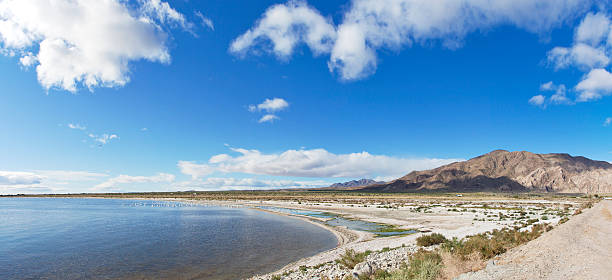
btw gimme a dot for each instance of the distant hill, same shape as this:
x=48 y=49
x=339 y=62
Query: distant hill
x=352 y=184
x=503 y=171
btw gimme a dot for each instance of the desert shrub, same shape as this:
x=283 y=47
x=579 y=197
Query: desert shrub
x=430 y=239
x=563 y=220
x=424 y=265
x=350 y=258
x=492 y=243
x=276 y=277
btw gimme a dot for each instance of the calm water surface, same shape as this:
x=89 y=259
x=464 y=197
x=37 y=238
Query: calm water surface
x=56 y=238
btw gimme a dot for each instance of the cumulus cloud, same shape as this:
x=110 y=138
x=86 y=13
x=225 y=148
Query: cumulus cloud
x=229 y=183
x=316 y=163
x=590 y=53
x=19 y=178
x=559 y=96
x=285 y=26
x=580 y=55
x=594 y=85
x=607 y=122
x=111 y=184
x=268 y=118
x=45 y=181
x=537 y=100
x=81 y=42
x=194 y=170
x=370 y=25
x=270 y=105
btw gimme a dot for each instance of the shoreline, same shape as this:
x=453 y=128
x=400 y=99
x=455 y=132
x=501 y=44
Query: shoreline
x=451 y=217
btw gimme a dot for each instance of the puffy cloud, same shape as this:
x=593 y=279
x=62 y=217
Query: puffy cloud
x=228 y=183
x=596 y=84
x=45 y=181
x=268 y=118
x=111 y=184
x=580 y=55
x=317 y=163
x=270 y=105
x=286 y=25
x=194 y=170
x=370 y=25
x=19 y=178
x=591 y=53
x=607 y=122
x=593 y=29
x=82 y=42
x=537 y=100
x=559 y=97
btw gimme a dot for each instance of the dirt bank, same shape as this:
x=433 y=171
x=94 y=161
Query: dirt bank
x=578 y=249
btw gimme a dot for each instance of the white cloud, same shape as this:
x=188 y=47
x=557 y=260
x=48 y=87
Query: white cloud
x=270 y=105
x=76 y=126
x=547 y=86
x=591 y=53
x=316 y=163
x=607 y=122
x=580 y=55
x=19 y=178
x=593 y=29
x=595 y=84
x=268 y=118
x=81 y=42
x=111 y=184
x=559 y=97
x=103 y=139
x=537 y=100
x=206 y=22
x=286 y=25
x=225 y=183
x=194 y=170
x=162 y=11
x=45 y=181
x=370 y=25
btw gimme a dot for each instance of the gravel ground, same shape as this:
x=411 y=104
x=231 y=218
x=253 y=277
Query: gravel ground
x=578 y=249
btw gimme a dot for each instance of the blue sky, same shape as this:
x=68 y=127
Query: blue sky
x=169 y=100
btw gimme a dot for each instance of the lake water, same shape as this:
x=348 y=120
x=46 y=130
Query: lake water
x=57 y=238
x=336 y=220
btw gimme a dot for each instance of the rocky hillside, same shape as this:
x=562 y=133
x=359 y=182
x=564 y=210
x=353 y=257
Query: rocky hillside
x=353 y=184
x=510 y=171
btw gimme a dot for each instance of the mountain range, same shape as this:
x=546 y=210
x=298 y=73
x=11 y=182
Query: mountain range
x=504 y=171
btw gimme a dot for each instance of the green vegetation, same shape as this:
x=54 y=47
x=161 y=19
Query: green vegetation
x=424 y=265
x=349 y=259
x=492 y=243
x=430 y=239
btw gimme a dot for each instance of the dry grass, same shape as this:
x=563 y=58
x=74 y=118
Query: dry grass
x=430 y=239
x=350 y=258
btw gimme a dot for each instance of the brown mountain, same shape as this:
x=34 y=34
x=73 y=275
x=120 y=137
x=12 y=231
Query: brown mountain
x=510 y=171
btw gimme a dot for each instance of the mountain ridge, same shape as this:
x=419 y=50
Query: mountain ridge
x=504 y=171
